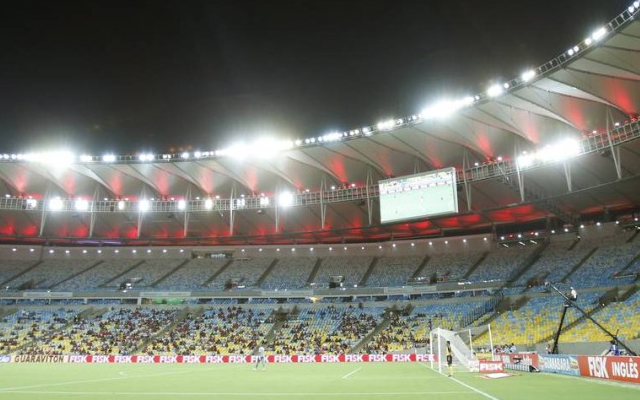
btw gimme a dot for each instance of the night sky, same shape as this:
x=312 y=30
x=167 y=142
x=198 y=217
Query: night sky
x=125 y=77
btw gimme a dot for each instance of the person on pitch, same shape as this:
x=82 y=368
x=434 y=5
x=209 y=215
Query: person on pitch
x=449 y=359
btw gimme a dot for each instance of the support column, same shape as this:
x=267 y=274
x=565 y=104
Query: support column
x=520 y=177
x=369 y=184
x=467 y=185
x=187 y=201
x=43 y=217
x=323 y=206
x=92 y=211
x=615 y=152
x=567 y=174
x=231 y=209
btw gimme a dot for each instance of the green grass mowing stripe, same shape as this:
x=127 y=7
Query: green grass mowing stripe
x=404 y=381
x=223 y=381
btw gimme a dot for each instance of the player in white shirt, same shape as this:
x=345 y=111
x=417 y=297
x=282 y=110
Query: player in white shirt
x=261 y=359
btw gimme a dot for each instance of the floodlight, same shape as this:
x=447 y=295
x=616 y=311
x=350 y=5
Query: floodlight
x=82 y=205
x=588 y=41
x=182 y=205
x=264 y=201
x=525 y=160
x=528 y=75
x=86 y=158
x=208 y=204
x=599 y=33
x=240 y=203
x=109 y=158
x=185 y=155
x=32 y=203
x=144 y=205
x=285 y=199
x=494 y=90
x=146 y=157
x=570 y=52
x=444 y=108
x=121 y=205
x=385 y=125
x=56 y=204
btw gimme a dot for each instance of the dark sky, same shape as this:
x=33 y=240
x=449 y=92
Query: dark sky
x=97 y=76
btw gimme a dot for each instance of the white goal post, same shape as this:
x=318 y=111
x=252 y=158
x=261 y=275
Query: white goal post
x=462 y=347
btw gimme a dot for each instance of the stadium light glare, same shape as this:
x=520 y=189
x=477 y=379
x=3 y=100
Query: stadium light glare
x=441 y=109
x=81 y=205
x=56 y=204
x=528 y=75
x=385 y=125
x=182 y=205
x=109 y=158
x=32 y=203
x=599 y=33
x=588 y=41
x=86 y=158
x=570 y=52
x=144 y=205
x=208 y=204
x=185 y=155
x=145 y=157
x=285 y=199
x=525 y=161
x=264 y=201
x=121 y=205
x=494 y=90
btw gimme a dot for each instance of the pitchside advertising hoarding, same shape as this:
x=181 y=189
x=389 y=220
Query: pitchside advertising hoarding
x=560 y=364
x=217 y=359
x=615 y=368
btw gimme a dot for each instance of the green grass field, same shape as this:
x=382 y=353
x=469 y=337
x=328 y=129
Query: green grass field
x=404 y=381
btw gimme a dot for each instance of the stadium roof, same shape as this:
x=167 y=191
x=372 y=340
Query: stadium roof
x=588 y=97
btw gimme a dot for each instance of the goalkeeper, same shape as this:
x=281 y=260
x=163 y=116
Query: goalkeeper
x=449 y=358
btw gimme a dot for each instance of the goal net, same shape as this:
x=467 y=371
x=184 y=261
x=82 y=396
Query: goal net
x=462 y=347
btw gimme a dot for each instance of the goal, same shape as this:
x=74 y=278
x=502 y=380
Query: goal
x=462 y=348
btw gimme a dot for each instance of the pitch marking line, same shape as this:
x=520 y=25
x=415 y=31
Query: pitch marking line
x=44 y=385
x=231 y=394
x=475 y=390
x=464 y=384
x=351 y=373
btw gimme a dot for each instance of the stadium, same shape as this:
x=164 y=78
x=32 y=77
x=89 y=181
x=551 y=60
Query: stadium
x=504 y=222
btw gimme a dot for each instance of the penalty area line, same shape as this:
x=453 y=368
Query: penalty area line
x=351 y=373
x=487 y=395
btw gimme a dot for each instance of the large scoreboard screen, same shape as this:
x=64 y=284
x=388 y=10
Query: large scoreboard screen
x=418 y=196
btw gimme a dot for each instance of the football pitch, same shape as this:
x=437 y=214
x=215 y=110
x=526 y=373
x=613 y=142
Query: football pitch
x=403 y=381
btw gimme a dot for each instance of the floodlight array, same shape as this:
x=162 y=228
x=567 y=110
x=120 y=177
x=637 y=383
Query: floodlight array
x=264 y=148
x=558 y=152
